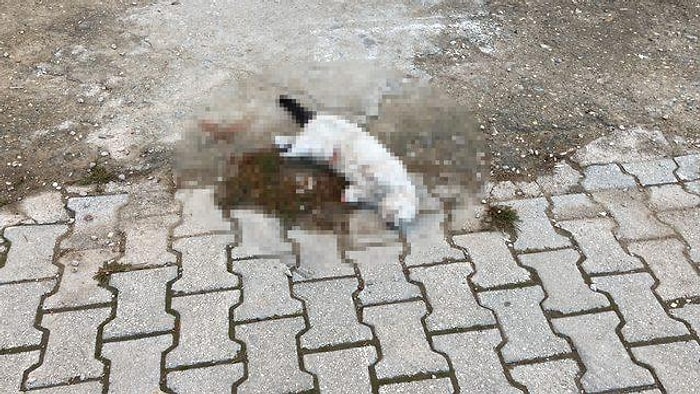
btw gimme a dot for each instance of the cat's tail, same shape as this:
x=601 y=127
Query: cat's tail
x=301 y=115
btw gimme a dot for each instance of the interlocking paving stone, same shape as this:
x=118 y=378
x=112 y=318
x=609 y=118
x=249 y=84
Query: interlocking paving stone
x=45 y=207
x=688 y=167
x=562 y=180
x=366 y=228
x=266 y=290
x=602 y=251
x=644 y=318
x=535 y=229
x=204 y=329
x=557 y=376
x=343 y=371
x=527 y=332
x=261 y=235
x=211 y=379
x=147 y=199
x=13 y=366
x=383 y=275
x=319 y=256
x=331 y=313
x=475 y=361
x=95 y=218
x=18 y=305
x=574 y=206
x=652 y=172
x=147 y=241
x=635 y=220
x=135 y=364
x=272 y=357
x=31 y=253
x=671 y=197
x=676 y=364
x=502 y=191
x=686 y=223
x=204 y=264
x=604 y=177
x=493 y=261
x=77 y=286
x=140 y=303
x=566 y=290
x=92 y=387
x=428 y=243
x=693 y=187
x=200 y=215
x=608 y=366
x=676 y=275
x=690 y=313
x=453 y=301
x=70 y=352
x=398 y=327
x=437 y=386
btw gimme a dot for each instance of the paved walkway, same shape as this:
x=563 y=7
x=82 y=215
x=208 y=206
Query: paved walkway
x=600 y=292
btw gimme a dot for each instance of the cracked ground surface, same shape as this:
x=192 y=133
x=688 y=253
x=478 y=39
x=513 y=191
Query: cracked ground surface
x=137 y=289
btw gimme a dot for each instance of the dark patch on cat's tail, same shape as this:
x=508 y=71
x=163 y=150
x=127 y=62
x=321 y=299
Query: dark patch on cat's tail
x=301 y=115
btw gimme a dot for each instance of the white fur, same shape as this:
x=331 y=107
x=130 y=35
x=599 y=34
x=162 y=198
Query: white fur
x=375 y=175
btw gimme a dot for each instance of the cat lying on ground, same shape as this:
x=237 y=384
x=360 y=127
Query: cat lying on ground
x=376 y=176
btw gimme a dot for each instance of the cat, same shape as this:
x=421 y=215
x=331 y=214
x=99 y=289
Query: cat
x=376 y=176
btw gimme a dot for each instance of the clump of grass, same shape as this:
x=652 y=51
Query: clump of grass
x=98 y=175
x=107 y=269
x=3 y=202
x=503 y=218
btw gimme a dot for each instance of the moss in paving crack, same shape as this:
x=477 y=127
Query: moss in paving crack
x=107 y=269
x=503 y=218
x=98 y=175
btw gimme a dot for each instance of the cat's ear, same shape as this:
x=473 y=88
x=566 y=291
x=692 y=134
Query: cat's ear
x=225 y=132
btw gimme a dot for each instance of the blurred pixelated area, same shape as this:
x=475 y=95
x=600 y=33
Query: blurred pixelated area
x=230 y=143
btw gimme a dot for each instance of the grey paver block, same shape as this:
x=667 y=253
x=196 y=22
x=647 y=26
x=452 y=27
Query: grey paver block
x=383 y=276
x=331 y=313
x=608 y=366
x=574 y=206
x=266 y=290
x=686 y=223
x=557 y=376
x=148 y=199
x=428 y=243
x=95 y=219
x=273 y=366
x=690 y=313
x=200 y=215
x=319 y=256
x=135 y=364
x=566 y=290
x=437 y=386
x=13 y=366
x=677 y=276
x=604 y=177
x=688 y=167
x=11 y=217
x=70 y=352
x=77 y=286
x=535 y=230
x=31 y=253
x=652 y=172
x=502 y=191
x=676 y=364
x=527 y=332
x=644 y=318
x=493 y=261
x=528 y=189
x=366 y=229
x=147 y=241
x=671 y=197
x=693 y=187
x=261 y=235
x=635 y=220
x=204 y=329
x=398 y=327
x=204 y=264
x=475 y=361
x=343 y=371
x=211 y=379
x=92 y=387
x=18 y=306
x=562 y=180
x=46 y=207
x=452 y=299
x=140 y=303
x=602 y=251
